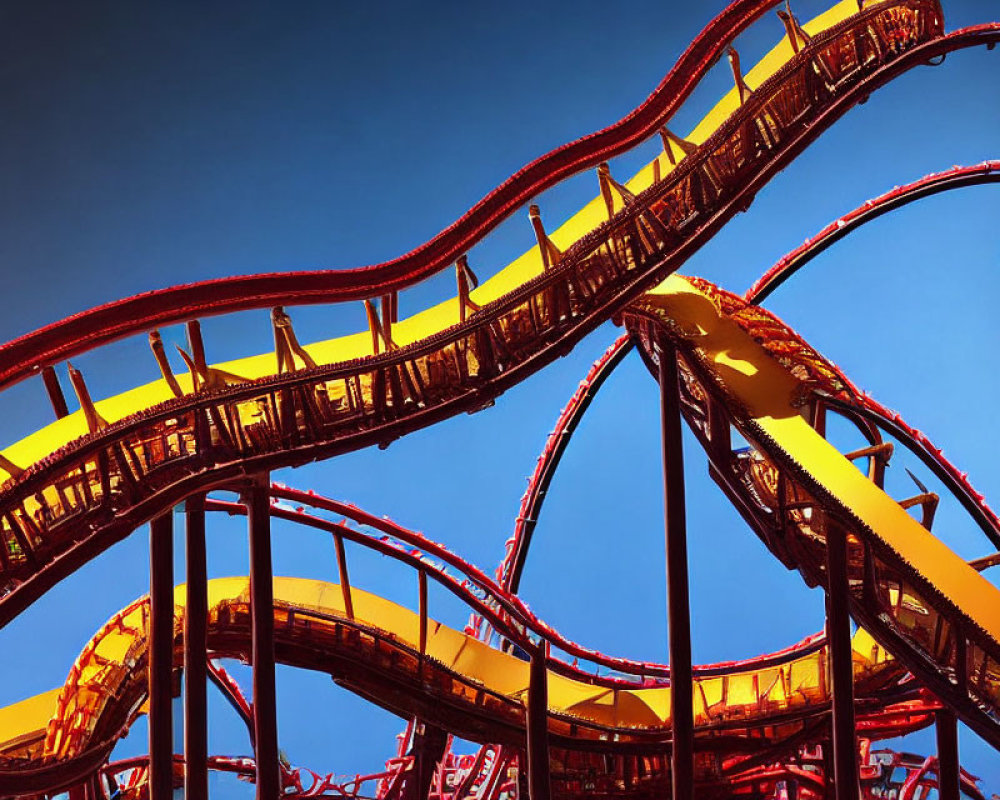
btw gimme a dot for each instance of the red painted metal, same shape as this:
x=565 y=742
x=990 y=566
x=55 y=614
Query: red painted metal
x=195 y=653
x=949 y=783
x=107 y=323
x=906 y=707
x=678 y=603
x=265 y=713
x=897 y=197
x=537 y=712
x=32 y=586
x=838 y=632
x=516 y=549
x=55 y=392
x=161 y=654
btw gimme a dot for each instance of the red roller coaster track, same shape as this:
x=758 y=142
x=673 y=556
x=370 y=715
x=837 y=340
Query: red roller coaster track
x=553 y=718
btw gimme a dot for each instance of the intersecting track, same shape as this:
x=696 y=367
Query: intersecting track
x=94 y=476
x=119 y=475
x=417 y=667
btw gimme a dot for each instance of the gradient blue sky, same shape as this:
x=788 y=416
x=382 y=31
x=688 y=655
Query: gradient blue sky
x=150 y=145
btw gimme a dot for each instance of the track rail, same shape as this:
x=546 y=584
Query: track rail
x=22 y=357
x=65 y=510
x=109 y=680
x=945 y=646
x=899 y=196
x=959 y=177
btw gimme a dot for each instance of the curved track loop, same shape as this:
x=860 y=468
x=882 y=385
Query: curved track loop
x=742 y=367
x=59 y=513
x=865 y=406
x=897 y=197
x=747 y=711
x=516 y=548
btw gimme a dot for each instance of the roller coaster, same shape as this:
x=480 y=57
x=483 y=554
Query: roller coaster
x=551 y=717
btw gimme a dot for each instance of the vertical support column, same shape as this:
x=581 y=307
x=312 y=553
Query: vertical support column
x=55 y=392
x=539 y=782
x=678 y=605
x=196 y=654
x=160 y=650
x=947 y=749
x=265 y=714
x=838 y=633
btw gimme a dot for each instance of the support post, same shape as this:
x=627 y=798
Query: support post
x=55 y=392
x=265 y=714
x=160 y=650
x=539 y=782
x=947 y=750
x=678 y=605
x=195 y=653
x=838 y=632
x=427 y=750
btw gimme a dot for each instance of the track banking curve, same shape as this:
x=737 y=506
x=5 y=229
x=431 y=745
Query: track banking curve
x=111 y=480
x=958 y=177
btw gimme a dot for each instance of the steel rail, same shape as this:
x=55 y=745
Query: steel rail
x=69 y=555
x=411 y=684
x=787 y=266
x=419 y=561
x=899 y=196
x=516 y=617
x=510 y=569
x=76 y=334
x=968 y=697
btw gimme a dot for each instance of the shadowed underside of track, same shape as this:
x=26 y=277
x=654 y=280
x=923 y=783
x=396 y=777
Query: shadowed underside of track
x=61 y=512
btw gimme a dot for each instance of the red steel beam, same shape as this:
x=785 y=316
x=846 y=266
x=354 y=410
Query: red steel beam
x=265 y=713
x=161 y=654
x=55 y=392
x=949 y=777
x=838 y=633
x=195 y=653
x=678 y=604
x=537 y=725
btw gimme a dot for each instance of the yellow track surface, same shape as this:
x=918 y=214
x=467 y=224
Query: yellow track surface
x=772 y=397
x=58 y=725
x=420 y=326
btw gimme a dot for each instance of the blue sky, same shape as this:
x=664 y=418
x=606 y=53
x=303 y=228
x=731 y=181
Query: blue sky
x=145 y=146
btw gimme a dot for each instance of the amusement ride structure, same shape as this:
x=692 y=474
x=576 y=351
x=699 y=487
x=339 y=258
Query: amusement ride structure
x=552 y=718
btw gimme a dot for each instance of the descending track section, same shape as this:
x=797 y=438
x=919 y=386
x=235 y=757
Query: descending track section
x=77 y=496
x=742 y=368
